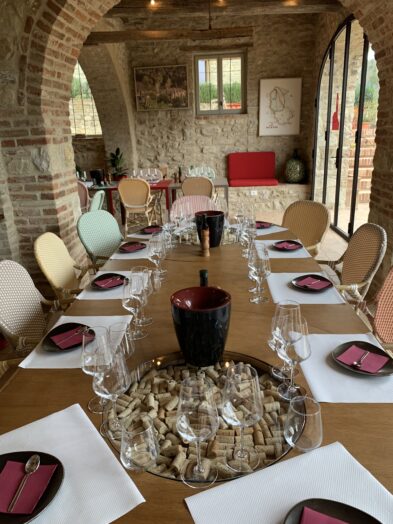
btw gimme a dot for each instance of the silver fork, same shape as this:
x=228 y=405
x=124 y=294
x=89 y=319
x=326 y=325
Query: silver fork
x=359 y=362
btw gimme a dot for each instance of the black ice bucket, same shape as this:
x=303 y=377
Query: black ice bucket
x=215 y=223
x=201 y=317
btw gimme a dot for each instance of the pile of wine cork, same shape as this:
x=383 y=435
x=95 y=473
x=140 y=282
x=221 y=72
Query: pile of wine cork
x=157 y=395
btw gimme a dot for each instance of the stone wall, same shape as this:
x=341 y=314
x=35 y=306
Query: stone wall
x=89 y=153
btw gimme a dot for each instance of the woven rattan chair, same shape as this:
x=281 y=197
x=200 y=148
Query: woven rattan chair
x=205 y=171
x=23 y=319
x=137 y=201
x=360 y=262
x=197 y=186
x=97 y=201
x=100 y=234
x=309 y=221
x=60 y=269
x=152 y=175
x=188 y=205
x=84 y=197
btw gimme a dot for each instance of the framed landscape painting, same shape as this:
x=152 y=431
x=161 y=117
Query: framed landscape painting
x=280 y=106
x=161 y=87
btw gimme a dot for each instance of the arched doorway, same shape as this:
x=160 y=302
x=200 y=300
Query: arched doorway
x=346 y=114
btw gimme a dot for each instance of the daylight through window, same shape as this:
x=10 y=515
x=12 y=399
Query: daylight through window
x=83 y=111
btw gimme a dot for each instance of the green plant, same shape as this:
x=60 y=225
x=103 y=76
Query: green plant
x=116 y=161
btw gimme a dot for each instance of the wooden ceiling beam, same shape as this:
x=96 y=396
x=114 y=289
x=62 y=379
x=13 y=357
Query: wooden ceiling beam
x=114 y=37
x=130 y=8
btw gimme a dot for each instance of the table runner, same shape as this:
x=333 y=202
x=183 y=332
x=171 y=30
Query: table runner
x=330 y=382
x=41 y=359
x=95 y=489
x=281 y=289
x=265 y=497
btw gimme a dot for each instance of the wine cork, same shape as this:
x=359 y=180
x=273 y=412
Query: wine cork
x=223 y=471
x=171 y=451
x=158 y=469
x=169 y=406
x=160 y=426
x=178 y=462
x=161 y=459
x=173 y=438
x=271 y=406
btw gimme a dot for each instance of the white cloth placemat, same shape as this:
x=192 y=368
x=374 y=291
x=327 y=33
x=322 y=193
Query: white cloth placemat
x=95 y=489
x=89 y=293
x=270 y=230
x=275 y=253
x=265 y=497
x=71 y=359
x=330 y=382
x=143 y=253
x=281 y=289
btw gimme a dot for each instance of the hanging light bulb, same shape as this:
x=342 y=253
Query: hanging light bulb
x=152 y=2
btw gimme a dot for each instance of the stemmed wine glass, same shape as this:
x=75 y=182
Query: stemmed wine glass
x=303 y=425
x=242 y=407
x=197 y=421
x=132 y=301
x=157 y=253
x=111 y=379
x=259 y=266
x=294 y=349
x=145 y=273
x=285 y=307
x=119 y=337
x=90 y=351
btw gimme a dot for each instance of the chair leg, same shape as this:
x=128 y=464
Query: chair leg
x=126 y=224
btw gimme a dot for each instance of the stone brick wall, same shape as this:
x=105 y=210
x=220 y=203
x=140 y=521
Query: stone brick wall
x=89 y=153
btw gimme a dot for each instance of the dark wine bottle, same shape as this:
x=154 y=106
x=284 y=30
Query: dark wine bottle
x=203 y=277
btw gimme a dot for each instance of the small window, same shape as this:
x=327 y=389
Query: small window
x=220 y=86
x=83 y=111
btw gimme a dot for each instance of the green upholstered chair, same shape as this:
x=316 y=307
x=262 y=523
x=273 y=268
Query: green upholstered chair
x=100 y=234
x=97 y=201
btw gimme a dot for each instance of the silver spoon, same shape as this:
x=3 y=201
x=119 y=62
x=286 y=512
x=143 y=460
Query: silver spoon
x=30 y=467
x=359 y=362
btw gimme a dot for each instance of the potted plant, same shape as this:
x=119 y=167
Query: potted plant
x=116 y=161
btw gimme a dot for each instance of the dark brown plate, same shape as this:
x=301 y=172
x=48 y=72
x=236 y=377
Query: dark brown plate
x=104 y=277
x=332 y=508
x=49 y=345
x=298 y=245
x=260 y=224
x=295 y=284
x=147 y=230
x=383 y=372
x=138 y=246
x=48 y=495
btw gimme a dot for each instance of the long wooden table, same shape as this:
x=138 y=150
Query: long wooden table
x=364 y=429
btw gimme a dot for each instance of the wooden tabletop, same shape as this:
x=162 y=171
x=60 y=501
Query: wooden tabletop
x=364 y=429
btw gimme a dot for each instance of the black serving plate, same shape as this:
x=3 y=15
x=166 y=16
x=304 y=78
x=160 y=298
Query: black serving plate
x=332 y=508
x=139 y=246
x=48 y=495
x=383 y=372
x=120 y=281
x=295 y=283
x=150 y=230
x=49 y=345
x=260 y=224
x=298 y=245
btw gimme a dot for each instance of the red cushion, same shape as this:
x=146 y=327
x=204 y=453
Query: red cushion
x=246 y=165
x=245 y=182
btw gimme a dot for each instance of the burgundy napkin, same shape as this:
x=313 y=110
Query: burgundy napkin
x=262 y=225
x=310 y=516
x=71 y=337
x=10 y=477
x=371 y=364
x=107 y=283
x=152 y=229
x=313 y=283
x=286 y=244
x=131 y=247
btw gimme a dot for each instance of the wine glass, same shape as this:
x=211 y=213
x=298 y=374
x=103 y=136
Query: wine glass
x=197 y=421
x=111 y=379
x=242 y=407
x=139 y=447
x=294 y=349
x=157 y=253
x=145 y=273
x=303 y=425
x=285 y=307
x=119 y=337
x=90 y=350
x=259 y=264
x=132 y=302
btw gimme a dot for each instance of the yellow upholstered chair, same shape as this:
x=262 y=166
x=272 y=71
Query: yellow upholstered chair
x=137 y=201
x=60 y=269
x=309 y=221
x=197 y=186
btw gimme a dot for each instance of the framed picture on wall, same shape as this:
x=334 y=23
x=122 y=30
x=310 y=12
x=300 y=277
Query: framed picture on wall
x=280 y=106
x=161 y=87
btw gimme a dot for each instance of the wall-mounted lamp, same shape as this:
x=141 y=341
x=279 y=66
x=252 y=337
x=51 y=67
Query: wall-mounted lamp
x=152 y=2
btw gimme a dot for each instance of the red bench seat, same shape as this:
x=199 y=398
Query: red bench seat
x=252 y=169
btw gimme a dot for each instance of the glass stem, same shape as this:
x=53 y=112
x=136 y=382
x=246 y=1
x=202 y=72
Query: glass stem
x=292 y=368
x=199 y=467
x=241 y=441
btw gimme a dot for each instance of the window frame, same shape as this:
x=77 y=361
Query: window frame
x=219 y=56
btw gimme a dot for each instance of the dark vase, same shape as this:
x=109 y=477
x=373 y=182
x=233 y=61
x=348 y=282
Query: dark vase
x=295 y=171
x=97 y=175
x=201 y=318
x=215 y=223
